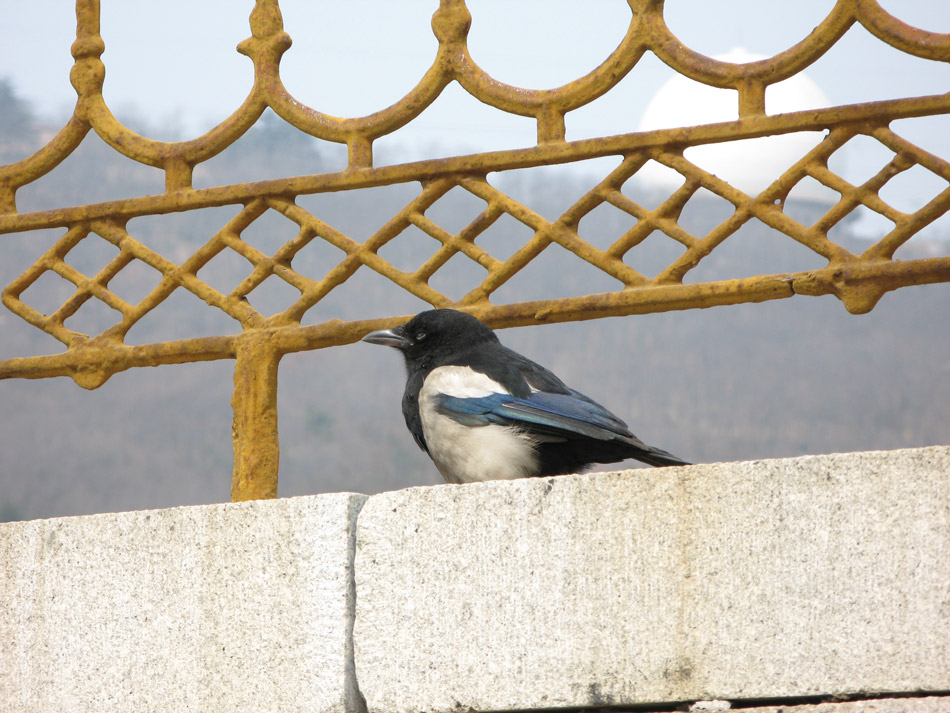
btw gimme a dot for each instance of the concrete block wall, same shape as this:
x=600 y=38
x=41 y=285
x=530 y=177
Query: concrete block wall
x=237 y=607
x=790 y=580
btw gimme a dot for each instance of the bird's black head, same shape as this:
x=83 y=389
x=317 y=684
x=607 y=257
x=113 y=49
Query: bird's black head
x=433 y=336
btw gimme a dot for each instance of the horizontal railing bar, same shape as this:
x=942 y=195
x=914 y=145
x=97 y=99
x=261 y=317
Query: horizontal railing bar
x=110 y=357
x=552 y=153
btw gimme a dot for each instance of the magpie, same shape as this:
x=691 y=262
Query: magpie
x=484 y=412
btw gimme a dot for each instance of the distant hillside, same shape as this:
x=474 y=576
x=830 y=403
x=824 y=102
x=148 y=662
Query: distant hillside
x=753 y=381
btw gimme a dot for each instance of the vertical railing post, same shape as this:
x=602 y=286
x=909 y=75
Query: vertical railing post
x=256 y=448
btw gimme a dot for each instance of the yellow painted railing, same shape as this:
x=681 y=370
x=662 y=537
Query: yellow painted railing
x=858 y=280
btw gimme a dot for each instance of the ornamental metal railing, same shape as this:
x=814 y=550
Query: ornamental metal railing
x=858 y=279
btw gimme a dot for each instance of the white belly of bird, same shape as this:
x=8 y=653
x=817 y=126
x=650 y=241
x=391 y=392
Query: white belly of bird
x=467 y=454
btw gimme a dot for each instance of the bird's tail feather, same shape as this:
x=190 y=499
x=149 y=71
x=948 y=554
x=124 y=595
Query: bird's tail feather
x=651 y=455
x=658 y=457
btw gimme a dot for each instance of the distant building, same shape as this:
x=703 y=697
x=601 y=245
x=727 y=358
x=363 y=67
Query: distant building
x=749 y=165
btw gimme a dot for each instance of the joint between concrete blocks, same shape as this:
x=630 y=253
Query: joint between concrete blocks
x=355 y=701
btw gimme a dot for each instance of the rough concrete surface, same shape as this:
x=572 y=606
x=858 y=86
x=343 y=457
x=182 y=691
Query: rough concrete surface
x=810 y=576
x=928 y=704
x=236 y=607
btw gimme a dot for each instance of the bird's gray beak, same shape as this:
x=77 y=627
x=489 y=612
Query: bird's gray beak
x=388 y=337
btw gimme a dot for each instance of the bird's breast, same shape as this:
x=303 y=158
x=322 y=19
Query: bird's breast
x=465 y=454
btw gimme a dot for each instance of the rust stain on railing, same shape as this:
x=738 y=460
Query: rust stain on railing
x=858 y=280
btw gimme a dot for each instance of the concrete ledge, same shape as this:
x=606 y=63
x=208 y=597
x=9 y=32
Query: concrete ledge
x=786 y=578
x=817 y=576
x=237 y=607
x=928 y=704
x=925 y=704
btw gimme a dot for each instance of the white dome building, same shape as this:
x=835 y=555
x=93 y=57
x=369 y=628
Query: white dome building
x=751 y=164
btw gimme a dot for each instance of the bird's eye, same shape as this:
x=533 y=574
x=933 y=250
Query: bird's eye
x=420 y=336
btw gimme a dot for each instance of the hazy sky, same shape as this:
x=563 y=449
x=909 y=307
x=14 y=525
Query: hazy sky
x=173 y=64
